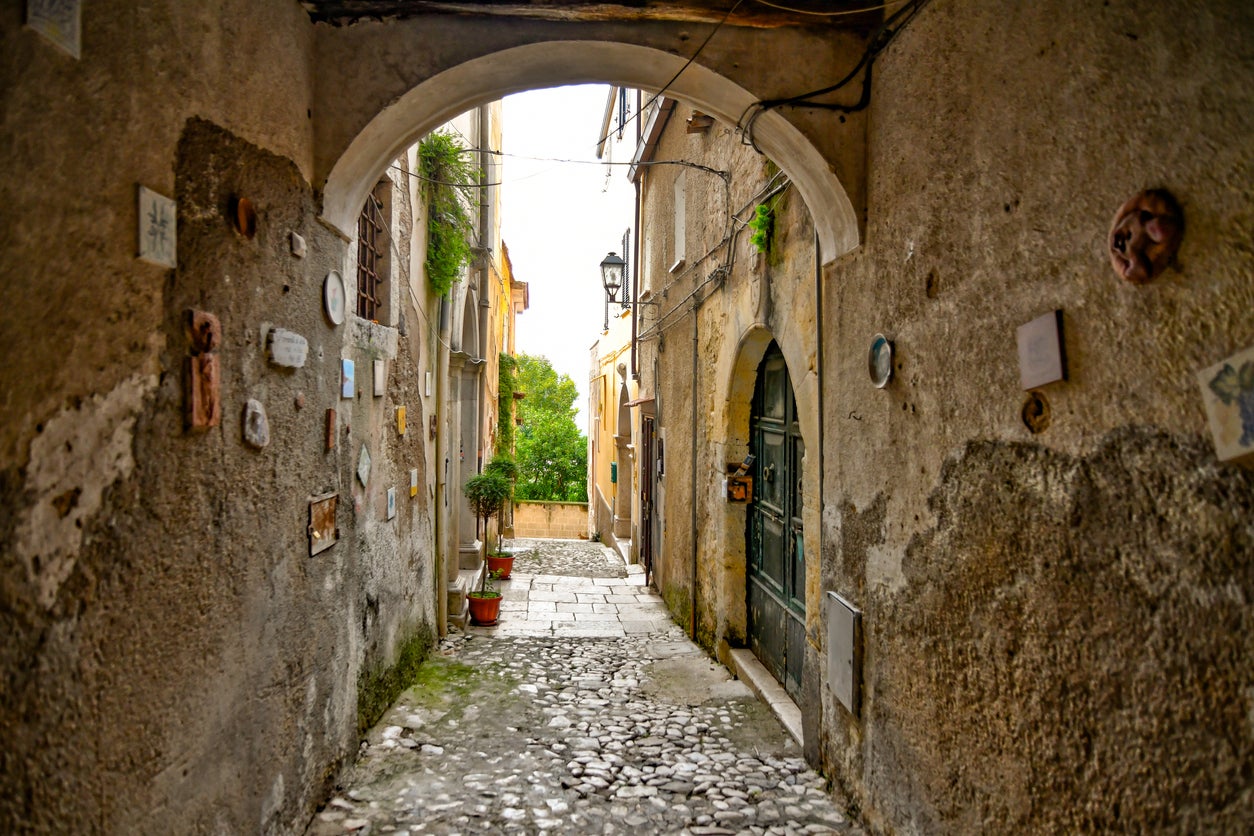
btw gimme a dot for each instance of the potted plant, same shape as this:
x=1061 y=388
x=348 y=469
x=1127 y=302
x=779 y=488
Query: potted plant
x=501 y=561
x=486 y=494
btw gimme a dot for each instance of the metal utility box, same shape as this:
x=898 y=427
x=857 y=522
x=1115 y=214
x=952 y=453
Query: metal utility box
x=844 y=652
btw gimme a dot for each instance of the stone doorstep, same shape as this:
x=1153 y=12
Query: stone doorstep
x=754 y=674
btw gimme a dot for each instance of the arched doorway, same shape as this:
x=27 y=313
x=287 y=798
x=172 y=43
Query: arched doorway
x=775 y=568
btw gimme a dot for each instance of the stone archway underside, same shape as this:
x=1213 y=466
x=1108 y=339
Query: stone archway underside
x=381 y=87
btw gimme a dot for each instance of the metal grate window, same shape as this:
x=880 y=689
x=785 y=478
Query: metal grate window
x=370 y=244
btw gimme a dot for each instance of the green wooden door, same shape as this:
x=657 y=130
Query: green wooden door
x=776 y=560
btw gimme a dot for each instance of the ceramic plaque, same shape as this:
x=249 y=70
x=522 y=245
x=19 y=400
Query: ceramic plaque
x=60 y=21
x=348 y=387
x=158 y=224
x=391 y=503
x=322 y=530
x=400 y=420
x=413 y=482
x=334 y=299
x=1228 y=392
x=1040 y=351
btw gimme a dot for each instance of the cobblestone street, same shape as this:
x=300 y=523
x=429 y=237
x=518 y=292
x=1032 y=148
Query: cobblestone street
x=585 y=710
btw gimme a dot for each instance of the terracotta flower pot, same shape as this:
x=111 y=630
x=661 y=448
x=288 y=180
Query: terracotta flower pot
x=501 y=566
x=484 y=611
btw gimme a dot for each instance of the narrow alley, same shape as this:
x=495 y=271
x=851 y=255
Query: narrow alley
x=585 y=710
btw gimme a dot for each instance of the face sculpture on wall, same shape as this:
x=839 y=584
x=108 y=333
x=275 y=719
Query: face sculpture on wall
x=1145 y=235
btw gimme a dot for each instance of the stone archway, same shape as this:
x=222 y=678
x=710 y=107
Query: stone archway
x=351 y=162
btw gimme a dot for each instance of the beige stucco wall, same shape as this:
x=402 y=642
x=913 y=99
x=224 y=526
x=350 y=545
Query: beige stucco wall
x=553 y=520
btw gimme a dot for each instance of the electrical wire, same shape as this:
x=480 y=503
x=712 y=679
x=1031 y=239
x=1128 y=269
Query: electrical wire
x=837 y=13
x=675 y=77
x=880 y=38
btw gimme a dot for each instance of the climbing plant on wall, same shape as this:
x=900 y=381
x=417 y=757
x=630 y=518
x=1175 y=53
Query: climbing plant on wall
x=448 y=180
x=506 y=386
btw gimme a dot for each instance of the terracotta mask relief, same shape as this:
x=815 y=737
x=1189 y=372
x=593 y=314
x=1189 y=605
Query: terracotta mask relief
x=1145 y=235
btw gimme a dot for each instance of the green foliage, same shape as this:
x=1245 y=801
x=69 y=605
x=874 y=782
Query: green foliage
x=506 y=387
x=552 y=452
x=503 y=466
x=448 y=180
x=763 y=226
x=486 y=493
x=379 y=687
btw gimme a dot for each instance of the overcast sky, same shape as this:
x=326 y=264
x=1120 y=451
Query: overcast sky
x=559 y=221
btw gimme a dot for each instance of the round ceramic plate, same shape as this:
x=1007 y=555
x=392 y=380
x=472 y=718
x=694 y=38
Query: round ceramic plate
x=333 y=297
x=880 y=361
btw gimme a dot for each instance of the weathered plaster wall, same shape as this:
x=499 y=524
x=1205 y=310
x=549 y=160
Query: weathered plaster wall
x=174 y=660
x=760 y=297
x=1057 y=625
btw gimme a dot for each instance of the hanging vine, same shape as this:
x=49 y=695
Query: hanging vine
x=448 y=180
x=507 y=384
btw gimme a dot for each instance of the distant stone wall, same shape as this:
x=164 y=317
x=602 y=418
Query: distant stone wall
x=559 y=520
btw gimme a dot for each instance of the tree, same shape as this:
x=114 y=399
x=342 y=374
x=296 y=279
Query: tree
x=552 y=452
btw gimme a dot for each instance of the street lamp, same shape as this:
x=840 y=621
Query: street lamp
x=612 y=275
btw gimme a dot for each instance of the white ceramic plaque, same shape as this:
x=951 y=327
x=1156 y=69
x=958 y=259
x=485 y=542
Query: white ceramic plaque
x=1040 y=350
x=413 y=482
x=391 y=503
x=287 y=348
x=158 y=225
x=334 y=299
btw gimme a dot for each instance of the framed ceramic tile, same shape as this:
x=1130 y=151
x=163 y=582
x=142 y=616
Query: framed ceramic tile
x=1228 y=393
x=391 y=503
x=158 y=225
x=380 y=377
x=348 y=387
x=60 y=21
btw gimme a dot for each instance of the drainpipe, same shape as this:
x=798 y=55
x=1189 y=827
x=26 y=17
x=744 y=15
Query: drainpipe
x=693 y=437
x=441 y=464
x=485 y=278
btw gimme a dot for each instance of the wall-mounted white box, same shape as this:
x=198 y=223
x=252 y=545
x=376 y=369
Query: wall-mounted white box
x=844 y=652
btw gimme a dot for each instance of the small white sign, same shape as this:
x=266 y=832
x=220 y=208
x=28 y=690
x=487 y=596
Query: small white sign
x=391 y=503
x=158 y=225
x=287 y=348
x=1040 y=351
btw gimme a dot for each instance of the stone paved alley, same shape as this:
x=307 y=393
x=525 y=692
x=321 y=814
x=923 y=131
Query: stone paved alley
x=586 y=710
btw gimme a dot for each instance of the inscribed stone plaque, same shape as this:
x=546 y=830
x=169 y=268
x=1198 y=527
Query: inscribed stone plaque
x=157 y=228
x=286 y=348
x=1040 y=351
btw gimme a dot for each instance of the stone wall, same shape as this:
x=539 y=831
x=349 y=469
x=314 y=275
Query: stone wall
x=175 y=660
x=1056 y=621
x=553 y=520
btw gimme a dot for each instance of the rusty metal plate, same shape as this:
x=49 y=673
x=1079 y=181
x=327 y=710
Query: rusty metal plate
x=322 y=531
